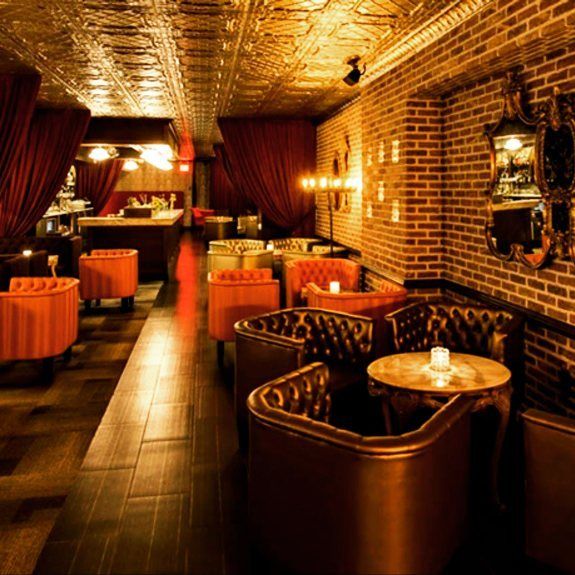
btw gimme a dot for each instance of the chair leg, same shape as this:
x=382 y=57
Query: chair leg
x=98 y=302
x=87 y=304
x=131 y=302
x=48 y=368
x=125 y=303
x=221 y=349
x=68 y=354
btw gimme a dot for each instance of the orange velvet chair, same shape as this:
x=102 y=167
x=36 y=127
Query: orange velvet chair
x=375 y=304
x=109 y=274
x=319 y=271
x=38 y=319
x=234 y=295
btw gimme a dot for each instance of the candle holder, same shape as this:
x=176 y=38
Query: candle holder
x=334 y=287
x=439 y=359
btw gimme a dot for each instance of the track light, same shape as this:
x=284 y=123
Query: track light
x=353 y=77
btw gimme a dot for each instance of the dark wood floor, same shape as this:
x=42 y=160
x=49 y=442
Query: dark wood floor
x=46 y=428
x=162 y=488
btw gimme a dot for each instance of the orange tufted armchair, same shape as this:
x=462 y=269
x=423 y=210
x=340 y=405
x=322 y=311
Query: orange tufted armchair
x=109 y=274
x=323 y=499
x=374 y=304
x=38 y=319
x=298 y=273
x=234 y=295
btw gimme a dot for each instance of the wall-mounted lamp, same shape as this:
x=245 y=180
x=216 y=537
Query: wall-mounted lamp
x=353 y=77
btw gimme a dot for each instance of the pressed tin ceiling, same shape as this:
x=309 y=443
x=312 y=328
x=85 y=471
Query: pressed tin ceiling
x=196 y=60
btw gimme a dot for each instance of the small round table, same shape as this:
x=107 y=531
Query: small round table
x=408 y=377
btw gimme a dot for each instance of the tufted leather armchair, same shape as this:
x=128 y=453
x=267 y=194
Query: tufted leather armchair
x=319 y=271
x=236 y=246
x=38 y=318
x=236 y=294
x=67 y=248
x=219 y=228
x=270 y=345
x=374 y=304
x=109 y=274
x=295 y=244
x=479 y=330
x=326 y=500
x=239 y=254
x=549 y=447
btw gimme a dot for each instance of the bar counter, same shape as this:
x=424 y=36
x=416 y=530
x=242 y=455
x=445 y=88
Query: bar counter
x=157 y=239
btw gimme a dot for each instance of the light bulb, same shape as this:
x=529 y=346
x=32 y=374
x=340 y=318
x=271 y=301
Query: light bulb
x=99 y=154
x=513 y=144
x=130 y=166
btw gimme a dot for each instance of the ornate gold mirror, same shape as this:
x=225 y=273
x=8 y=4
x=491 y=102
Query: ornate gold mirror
x=555 y=166
x=518 y=217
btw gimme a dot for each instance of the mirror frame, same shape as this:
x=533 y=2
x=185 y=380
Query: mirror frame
x=513 y=110
x=557 y=112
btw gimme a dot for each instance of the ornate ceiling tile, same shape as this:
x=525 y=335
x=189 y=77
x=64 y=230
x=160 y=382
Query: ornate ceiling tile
x=195 y=61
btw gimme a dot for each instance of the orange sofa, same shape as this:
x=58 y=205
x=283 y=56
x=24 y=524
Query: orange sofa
x=38 y=319
x=237 y=294
x=109 y=274
x=375 y=304
x=299 y=273
x=199 y=216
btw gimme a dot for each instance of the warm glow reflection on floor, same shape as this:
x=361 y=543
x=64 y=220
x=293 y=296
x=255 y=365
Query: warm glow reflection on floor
x=187 y=275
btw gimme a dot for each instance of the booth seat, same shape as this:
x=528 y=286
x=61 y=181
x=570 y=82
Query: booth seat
x=325 y=500
x=273 y=344
x=237 y=294
x=549 y=448
x=299 y=273
x=67 y=248
x=375 y=304
x=38 y=318
x=109 y=274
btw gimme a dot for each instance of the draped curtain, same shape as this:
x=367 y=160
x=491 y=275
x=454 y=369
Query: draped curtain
x=225 y=193
x=17 y=98
x=268 y=157
x=41 y=167
x=97 y=181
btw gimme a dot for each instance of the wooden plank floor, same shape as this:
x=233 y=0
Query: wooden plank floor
x=46 y=427
x=162 y=488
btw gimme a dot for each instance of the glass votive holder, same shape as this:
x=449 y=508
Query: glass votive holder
x=334 y=287
x=270 y=247
x=439 y=359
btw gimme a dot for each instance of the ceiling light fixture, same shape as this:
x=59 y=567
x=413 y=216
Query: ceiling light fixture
x=353 y=77
x=99 y=154
x=130 y=166
x=156 y=158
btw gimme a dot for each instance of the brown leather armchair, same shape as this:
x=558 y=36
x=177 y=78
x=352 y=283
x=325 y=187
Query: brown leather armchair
x=326 y=500
x=549 y=447
x=463 y=328
x=270 y=345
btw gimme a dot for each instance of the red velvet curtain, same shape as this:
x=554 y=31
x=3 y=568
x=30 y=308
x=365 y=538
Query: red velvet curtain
x=17 y=98
x=225 y=193
x=41 y=168
x=97 y=181
x=268 y=157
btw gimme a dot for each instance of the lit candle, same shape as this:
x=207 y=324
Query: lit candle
x=334 y=287
x=305 y=183
x=270 y=247
x=312 y=183
x=27 y=253
x=323 y=182
x=439 y=359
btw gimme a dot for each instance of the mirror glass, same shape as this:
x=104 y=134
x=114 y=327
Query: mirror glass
x=558 y=154
x=518 y=209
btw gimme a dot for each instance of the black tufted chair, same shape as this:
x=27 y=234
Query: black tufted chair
x=271 y=345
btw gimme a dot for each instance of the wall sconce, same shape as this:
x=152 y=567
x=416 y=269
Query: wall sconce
x=327 y=185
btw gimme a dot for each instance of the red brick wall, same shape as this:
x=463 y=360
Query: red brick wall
x=430 y=222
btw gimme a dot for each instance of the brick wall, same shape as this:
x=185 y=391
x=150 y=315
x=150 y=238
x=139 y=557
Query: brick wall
x=428 y=116
x=338 y=134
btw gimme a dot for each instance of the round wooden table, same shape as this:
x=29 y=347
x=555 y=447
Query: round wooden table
x=408 y=379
